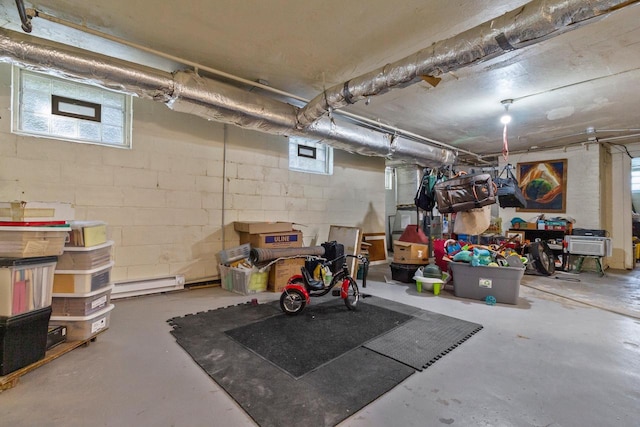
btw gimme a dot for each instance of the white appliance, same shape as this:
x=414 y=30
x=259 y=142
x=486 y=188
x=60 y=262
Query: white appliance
x=588 y=245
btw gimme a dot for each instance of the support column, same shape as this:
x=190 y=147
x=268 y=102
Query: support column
x=621 y=228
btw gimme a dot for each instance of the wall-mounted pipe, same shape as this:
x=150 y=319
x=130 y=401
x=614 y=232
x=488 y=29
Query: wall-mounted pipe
x=534 y=22
x=189 y=93
x=24 y=18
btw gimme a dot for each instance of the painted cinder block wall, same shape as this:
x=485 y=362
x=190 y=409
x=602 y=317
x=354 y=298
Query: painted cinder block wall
x=598 y=194
x=583 y=186
x=171 y=200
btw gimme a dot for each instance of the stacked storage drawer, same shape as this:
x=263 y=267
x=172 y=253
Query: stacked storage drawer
x=31 y=238
x=82 y=290
x=25 y=308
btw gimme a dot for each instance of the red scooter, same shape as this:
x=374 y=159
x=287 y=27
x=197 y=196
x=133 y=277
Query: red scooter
x=301 y=287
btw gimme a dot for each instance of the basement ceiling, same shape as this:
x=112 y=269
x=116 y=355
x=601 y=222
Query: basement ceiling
x=582 y=86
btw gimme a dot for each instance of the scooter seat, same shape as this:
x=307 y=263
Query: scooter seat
x=316 y=285
x=312 y=284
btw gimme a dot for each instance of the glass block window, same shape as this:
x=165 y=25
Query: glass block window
x=48 y=106
x=306 y=155
x=388 y=178
x=635 y=176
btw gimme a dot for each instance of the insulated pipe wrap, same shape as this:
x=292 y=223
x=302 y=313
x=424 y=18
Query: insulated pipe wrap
x=83 y=66
x=189 y=93
x=534 y=22
x=257 y=255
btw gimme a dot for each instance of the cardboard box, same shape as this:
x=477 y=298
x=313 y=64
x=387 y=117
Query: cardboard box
x=281 y=271
x=87 y=233
x=410 y=253
x=525 y=226
x=36 y=211
x=290 y=239
x=255 y=227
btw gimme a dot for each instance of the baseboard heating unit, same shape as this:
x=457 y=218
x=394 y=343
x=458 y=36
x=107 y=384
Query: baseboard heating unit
x=589 y=245
x=147 y=286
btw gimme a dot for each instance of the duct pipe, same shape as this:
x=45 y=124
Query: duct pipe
x=373 y=124
x=529 y=24
x=189 y=93
x=54 y=58
x=217 y=101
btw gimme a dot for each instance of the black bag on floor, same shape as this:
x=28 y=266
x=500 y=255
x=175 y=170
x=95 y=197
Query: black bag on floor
x=509 y=193
x=332 y=251
x=465 y=192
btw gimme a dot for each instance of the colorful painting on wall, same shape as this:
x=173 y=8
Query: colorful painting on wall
x=544 y=185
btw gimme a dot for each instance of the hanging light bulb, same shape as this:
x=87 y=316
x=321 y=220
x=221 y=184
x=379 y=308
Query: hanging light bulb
x=506 y=117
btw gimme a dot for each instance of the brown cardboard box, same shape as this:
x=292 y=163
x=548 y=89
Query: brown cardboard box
x=410 y=253
x=525 y=226
x=255 y=227
x=290 y=239
x=281 y=271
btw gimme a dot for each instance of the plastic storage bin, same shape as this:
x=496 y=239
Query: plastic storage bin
x=80 y=328
x=236 y=253
x=502 y=283
x=23 y=339
x=26 y=242
x=247 y=281
x=243 y=281
x=226 y=279
x=81 y=258
x=82 y=281
x=25 y=284
x=81 y=304
x=404 y=272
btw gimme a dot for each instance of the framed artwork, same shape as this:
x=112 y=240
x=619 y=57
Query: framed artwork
x=519 y=235
x=544 y=185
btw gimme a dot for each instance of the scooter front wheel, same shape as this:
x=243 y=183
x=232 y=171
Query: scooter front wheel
x=353 y=295
x=292 y=301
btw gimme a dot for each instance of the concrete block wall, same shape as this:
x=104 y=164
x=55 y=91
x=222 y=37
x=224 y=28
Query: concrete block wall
x=583 y=186
x=171 y=200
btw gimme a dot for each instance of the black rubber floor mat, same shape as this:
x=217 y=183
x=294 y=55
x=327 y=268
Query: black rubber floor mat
x=272 y=397
x=302 y=343
x=420 y=342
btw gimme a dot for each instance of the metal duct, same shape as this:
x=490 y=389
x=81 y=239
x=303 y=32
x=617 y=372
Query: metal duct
x=189 y=93
x=529 y=24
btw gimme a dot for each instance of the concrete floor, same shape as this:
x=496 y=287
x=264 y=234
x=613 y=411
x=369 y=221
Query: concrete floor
x=548 y=361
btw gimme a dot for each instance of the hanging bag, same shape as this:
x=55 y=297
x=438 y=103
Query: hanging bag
x=509 y=192
x=465 y=192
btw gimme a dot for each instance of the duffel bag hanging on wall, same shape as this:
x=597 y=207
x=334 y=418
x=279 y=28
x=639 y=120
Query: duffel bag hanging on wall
x=509 y=193
x=465 y=192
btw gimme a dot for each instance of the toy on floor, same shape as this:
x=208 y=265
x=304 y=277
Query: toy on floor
x=481 y=257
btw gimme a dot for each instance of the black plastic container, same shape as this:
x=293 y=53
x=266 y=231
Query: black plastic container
x=23 y=339
x=404 y=272
x=56 y=335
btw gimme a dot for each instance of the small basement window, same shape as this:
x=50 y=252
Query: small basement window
x=310 y=156
x=635 y=176
x=52 y=107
